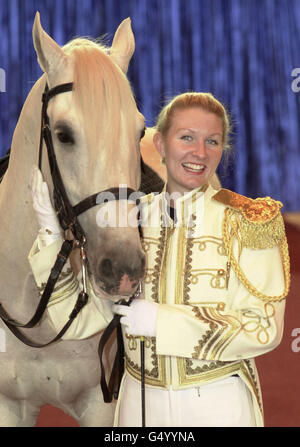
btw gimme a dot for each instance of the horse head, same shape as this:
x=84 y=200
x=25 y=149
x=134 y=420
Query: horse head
x=95 y=130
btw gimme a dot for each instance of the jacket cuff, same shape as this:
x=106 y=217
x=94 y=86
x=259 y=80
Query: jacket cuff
x=42 y=260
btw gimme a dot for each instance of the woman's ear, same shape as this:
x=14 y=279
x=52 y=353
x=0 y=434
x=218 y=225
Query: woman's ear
x=158 y=142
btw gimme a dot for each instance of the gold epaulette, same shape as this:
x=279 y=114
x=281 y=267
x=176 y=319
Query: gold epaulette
x=255 y=224
x=259 y=221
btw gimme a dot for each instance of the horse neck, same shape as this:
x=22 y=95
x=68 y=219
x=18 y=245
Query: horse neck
x=16 y=212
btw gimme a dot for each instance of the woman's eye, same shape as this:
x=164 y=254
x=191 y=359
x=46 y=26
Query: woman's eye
x=186 y=137
x=211 y=141
x=65 y=137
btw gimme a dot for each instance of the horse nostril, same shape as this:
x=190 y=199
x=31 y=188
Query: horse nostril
x=112 y=269
x=106 y=267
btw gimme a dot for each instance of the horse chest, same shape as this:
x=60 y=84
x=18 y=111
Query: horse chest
x=49 y=376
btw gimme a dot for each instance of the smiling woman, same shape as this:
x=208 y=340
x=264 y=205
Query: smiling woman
x=217 y=273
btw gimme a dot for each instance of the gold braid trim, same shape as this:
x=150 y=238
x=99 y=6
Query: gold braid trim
x=228 y=236
x=260 y=235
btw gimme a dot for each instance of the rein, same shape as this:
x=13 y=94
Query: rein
x=67 y=215
x=4 y=164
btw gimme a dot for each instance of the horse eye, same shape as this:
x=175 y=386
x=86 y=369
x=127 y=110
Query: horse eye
x=65 y=137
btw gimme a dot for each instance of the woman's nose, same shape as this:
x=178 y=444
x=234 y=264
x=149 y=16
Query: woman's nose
x=200 y=149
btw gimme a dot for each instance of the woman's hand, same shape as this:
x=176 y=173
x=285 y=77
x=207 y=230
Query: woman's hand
x=139 y=317
x=46 y=215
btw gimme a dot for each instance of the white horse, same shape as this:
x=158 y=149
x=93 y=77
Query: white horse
x=96 y=130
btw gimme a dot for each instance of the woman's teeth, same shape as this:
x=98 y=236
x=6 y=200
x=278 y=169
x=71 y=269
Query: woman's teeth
x=193 y=166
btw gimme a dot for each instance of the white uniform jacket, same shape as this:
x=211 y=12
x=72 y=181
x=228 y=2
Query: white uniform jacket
x=220 y=275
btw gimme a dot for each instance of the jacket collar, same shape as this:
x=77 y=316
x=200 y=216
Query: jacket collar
x=189 y=206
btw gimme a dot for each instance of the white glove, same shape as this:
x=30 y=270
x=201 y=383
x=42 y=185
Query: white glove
x=140 y=317
x=50 y=229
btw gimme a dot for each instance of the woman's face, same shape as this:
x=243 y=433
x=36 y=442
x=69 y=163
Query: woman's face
x=192 y=148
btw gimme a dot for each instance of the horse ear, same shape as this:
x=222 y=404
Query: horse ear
x=123 y=45
x=49 y=53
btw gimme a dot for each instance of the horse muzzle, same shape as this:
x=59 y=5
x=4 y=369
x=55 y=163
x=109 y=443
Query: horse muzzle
x=119 y=272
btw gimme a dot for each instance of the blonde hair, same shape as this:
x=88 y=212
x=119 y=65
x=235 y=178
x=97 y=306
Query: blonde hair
x=205 y=101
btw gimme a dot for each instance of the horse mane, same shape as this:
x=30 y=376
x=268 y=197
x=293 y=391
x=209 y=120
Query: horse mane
x=101 y=91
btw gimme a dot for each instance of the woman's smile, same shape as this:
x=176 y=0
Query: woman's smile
x=194 y=168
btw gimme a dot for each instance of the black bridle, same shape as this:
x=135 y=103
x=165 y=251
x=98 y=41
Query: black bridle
x=67 y=215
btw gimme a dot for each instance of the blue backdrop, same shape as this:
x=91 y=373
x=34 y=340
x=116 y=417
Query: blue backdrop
x=243 y=51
